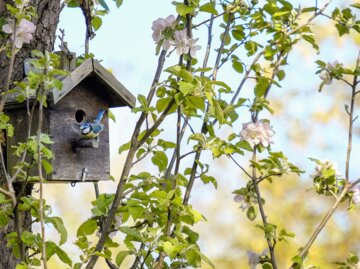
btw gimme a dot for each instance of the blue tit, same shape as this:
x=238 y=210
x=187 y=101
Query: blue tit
x=90 y=130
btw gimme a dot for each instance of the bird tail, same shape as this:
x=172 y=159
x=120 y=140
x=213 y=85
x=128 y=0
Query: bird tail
x=100 y=116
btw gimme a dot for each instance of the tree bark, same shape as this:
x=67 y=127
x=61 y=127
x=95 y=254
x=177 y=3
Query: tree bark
x=48 y=12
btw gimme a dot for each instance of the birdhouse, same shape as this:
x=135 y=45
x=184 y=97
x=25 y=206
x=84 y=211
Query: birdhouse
x=77 y=121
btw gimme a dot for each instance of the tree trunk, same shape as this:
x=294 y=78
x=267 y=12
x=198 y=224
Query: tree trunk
x=48 y=12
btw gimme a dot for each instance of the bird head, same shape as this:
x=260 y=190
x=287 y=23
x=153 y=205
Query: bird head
x=85 y=128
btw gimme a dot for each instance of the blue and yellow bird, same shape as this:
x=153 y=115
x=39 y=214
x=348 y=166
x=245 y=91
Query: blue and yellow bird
x=91 y=130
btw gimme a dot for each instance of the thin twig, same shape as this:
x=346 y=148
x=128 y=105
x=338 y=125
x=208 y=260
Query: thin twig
x=239 y=165
x=271 y=244
x=39 y=160
x=210 y=20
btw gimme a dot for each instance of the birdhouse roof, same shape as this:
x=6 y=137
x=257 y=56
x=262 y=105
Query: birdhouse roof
x=90 y=69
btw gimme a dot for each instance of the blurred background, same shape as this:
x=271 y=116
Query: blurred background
x=307 y=124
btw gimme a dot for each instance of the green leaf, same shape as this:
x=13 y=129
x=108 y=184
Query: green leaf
x=195 y=103
x=136 y=211
x=47 y=166
x=207 y=260
x=180 y=72
x=87 y=228
x=45 y=138
x=193 y=258
x=37 y=54
x=261 y=86
x=267 y=266
x=281 y=13
x=356 y=5
x=143 y=101
x=4 y=218
x=59 y=226
x=120 y=257
x=50 y=249
x=183 y=9
x=28 y=238
x=207 y=179
x=131 y=232
x=209 y=7
x=251 y=213
x=186 y=87
x=73 y=3
x=111 y=115
x=170 y=249
x=238 y=33
x=221 y=84
x=166 y=144
x=238 y=66
x=196 y=215
x=118 y=3
x=63 y=256
x=280 y=74
x=104 y=5
x=124 y=147
x=160 y=160
x=21 y=265
x=96 y=22
x=162 y=104
x=308 y=9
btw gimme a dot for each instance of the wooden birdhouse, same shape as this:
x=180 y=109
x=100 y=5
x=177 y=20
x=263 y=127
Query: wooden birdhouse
x=89 y=89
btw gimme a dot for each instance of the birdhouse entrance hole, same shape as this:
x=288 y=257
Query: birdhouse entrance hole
x=80 y=116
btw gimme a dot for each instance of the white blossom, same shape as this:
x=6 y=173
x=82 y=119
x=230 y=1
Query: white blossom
x=184 y=44
x=159 y=26
x=254 y=258
x=23 y=32
x=181 y=42
x=356 y=195
x=257 y=133
x=244 y=205
x=193 y=47
x=325 y=77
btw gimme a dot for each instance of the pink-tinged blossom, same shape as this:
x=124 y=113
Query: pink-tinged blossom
x=254 y=258
x=257 y=133
x=325 y=77
x=23 y=34
x=244 y=205
x=324 y=166
x=159 y=26
x=184 y=44
x=181 y=42
x=356 y=194
x=193 y=47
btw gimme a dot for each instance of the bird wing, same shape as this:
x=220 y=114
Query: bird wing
x=97 y=127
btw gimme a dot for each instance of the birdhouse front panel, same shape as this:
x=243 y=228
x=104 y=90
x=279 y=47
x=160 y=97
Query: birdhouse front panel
x=81 y=141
